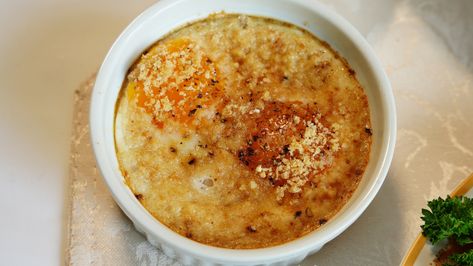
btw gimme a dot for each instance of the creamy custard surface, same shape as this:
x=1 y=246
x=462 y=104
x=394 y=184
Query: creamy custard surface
x=242 y=132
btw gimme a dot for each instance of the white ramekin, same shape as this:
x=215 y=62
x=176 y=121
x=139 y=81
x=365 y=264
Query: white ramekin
x=165 y=16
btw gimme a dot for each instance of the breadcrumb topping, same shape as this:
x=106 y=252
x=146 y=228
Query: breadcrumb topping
x=242 y=132
x=306 y=157
x=175 y=80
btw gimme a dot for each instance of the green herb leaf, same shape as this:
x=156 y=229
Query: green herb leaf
x=463 y=259
x=451 y=218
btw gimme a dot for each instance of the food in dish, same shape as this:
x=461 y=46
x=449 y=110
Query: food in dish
x=242 y=132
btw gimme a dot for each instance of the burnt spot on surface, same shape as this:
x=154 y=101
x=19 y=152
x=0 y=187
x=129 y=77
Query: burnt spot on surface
x=368 y=131
x=358 y=171
x=245 y=154
x=243 y=157
x=192 y=112
x=191 y=161
x=285 y=149
x=297 y=214
x=322 y=221
x=139 y=196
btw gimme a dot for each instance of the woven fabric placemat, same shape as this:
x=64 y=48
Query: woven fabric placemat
x=99 y=233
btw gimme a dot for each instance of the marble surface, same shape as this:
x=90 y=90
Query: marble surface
x=426 y=47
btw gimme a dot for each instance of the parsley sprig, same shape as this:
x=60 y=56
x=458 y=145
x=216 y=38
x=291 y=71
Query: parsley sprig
x=465 y=258
x=450 y=218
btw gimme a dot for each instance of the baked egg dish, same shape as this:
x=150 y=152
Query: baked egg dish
x=242 y=132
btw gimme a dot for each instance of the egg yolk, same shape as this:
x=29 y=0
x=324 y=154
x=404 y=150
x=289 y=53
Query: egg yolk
x=178 y=81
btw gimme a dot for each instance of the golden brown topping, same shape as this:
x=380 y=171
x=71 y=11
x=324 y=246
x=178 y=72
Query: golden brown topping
x=290 y=146
x=175 y=80
x=242 y=132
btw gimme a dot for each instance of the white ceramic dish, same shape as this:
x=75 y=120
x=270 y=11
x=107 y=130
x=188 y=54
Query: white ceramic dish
x=167 y=15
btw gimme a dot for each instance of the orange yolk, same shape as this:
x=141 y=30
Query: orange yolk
x=175 y=97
